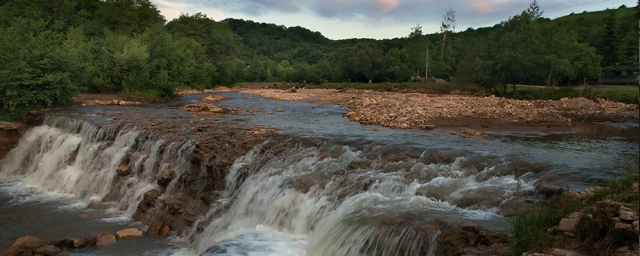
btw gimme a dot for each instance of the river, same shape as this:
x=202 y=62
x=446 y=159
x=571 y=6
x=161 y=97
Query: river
x=305 y=200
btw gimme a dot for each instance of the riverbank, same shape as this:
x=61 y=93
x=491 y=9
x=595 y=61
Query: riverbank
x=421 y=110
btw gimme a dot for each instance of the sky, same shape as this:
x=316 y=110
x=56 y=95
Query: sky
x=379 y=19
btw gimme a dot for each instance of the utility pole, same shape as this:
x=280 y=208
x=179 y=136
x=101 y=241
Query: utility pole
x=426 y=69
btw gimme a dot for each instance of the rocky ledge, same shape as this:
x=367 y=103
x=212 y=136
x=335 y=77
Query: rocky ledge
x=33 y=246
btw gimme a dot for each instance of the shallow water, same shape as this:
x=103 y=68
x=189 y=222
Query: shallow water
x=266 y=217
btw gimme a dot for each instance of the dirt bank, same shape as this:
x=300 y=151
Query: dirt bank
x=9 y=136
x=99 y=99
x=416 y=110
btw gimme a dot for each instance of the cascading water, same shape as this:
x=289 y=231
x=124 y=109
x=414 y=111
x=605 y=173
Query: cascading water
x=74 y=157
x=316 y=199
x=300 y=203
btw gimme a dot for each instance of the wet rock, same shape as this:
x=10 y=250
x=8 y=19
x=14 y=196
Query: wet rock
x=105 y=239
x=128 y=233
x=635 y=226
x=280 y=110
x=176 y=208
x=63 y=244
x=91 y=240
x=548 y=192
x=78 y=242
x=165 y=230
x=124 y=170
x=214 y=250
x=166 y=177
x=29 y=243
x=427 y=127
x=49 y=250
x=202 y=225
x=155 y=228
x=151 y=197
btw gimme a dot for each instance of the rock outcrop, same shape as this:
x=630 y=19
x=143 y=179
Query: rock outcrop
x=105 y=239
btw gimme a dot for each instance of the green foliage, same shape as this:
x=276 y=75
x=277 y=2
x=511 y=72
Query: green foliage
x=529 y=232
x=52 y=49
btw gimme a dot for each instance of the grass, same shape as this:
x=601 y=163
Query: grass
x=619 y=93
x=433 y=88
x=529 y=231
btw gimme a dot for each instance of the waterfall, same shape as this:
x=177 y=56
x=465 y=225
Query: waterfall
x=70 y=156
x=306 y=199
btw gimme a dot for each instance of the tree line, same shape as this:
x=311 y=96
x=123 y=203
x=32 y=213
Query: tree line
x=51 y=49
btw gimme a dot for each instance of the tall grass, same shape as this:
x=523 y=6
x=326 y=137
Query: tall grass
x=529 y=231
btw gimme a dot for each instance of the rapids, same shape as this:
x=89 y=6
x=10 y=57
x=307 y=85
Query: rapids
x=333 y=187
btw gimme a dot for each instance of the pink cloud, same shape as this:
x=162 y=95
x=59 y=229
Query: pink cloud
x=387 y=5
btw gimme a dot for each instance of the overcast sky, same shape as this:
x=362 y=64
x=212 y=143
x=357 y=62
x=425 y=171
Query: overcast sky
x=340 y=19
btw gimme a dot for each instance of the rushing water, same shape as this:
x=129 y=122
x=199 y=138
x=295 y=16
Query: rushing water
x=306 y=200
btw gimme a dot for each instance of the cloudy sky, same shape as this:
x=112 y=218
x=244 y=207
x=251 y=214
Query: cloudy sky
x=340 y=19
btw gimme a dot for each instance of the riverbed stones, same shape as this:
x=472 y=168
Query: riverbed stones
x=123 y=170
x=28 y=242
x=280 y=110
x=165 y=230
x=128 y=233
x=151 y=197
x=166 y=177
x=78 y=242
x=105 y=239
x=48 y=250
x=91 y=240
x=569 y=226
x=627 y=214
x=155 y=228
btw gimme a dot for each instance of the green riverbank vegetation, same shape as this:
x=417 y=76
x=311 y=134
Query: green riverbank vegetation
x=55 y=48
x=598 y=214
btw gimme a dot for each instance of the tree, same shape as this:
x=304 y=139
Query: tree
x=534 y=10
x=417 y=45
x=362 y=62
x=448 y=24
x=396 y=65
x=609 y=45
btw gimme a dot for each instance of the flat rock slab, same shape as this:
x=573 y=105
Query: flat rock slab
x=128 y=233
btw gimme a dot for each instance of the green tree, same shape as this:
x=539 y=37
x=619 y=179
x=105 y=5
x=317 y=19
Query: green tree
x=396 y=65
x=363 y=62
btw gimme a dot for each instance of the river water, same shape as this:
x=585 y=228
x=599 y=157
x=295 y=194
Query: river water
x=417 y=177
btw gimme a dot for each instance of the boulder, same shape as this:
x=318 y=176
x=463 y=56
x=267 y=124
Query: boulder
x=165 y=230
x=155 y=228
x=166 y=177
x=150 y=197
x=123 y=170
x=29 y=243
x=78 y=242
x=627 y=214
x=128 y=233
x=105 y=239
x=49 y=250
x=569 y=226
x=90 y=240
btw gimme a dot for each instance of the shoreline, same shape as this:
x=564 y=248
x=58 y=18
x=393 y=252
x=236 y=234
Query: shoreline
x=411 y=110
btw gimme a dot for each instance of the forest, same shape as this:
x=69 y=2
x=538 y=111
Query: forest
x=51 y=49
